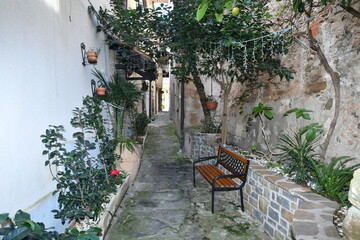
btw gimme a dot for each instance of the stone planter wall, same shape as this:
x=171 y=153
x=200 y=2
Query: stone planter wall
x=285 y=210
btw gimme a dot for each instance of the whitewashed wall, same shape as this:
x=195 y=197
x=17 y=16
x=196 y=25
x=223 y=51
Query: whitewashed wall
x=42 y=72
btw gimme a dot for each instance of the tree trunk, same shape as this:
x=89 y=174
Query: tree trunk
x=201 y=92
x=224 y=129
x=336 y=83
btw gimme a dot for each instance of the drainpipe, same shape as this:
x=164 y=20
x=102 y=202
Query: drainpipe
x=182 y=116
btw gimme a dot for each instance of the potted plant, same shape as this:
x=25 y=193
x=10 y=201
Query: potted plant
x=101 y=90
x=92 y=55
x=211 y=102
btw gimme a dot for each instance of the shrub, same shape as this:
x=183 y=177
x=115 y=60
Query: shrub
x=140 y=122
x=83 y=180
x=22 y=227
x=333 y=180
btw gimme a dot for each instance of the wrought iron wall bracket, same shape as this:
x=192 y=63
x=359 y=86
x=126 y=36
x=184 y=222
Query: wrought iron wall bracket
x=83 y=53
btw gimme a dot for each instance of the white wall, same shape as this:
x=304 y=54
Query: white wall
x=42 y=72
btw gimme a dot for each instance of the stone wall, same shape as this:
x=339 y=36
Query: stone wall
x=338 y=34
x=285 y=210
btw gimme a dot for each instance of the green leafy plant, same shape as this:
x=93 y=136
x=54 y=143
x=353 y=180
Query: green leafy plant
x=333 y=179
x=298 y=152
x=122 y=93
x=140 y=122
x=83 y=183
x=260 y=111
x=210 y=98
x=22 y=227
x=299 y=112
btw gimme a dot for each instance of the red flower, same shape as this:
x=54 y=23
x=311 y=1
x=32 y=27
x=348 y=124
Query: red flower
x=114 y=172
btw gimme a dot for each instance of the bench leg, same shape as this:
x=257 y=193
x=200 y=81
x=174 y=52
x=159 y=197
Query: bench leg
x=241 y=199
x=212 y=200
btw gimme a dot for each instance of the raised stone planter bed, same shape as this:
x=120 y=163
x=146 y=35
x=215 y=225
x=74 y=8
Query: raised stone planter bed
x=285 y=210
x=112 y=206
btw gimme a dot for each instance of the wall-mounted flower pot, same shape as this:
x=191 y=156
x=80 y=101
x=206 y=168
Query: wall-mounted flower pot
x=92 y=57
x=211 y=105
x=100 y=91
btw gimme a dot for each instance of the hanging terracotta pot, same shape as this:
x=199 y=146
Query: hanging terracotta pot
x=211 y=105
x=92 y=57
x=100 y=91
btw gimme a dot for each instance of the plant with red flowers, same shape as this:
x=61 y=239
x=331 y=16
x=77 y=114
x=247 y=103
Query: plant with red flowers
x=83 y=179
x=117 y=176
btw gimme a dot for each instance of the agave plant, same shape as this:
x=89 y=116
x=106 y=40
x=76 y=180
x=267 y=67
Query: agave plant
x=333 y=180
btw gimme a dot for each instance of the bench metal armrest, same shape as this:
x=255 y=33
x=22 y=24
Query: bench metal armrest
x=229 y=175
x=202 y=159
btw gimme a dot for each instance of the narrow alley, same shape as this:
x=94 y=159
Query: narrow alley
x=163 y=204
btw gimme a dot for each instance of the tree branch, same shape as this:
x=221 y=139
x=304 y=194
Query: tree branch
x=351 y=10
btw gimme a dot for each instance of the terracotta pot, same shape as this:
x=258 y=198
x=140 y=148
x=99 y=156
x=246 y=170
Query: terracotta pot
x=211 y=105
x=100 y=91
x=92 y=57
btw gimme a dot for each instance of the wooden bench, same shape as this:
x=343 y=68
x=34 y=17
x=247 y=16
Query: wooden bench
x=235 y=164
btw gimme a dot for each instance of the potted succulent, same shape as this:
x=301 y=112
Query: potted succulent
x=101 y=90
x=211 y=102
x=92 y=55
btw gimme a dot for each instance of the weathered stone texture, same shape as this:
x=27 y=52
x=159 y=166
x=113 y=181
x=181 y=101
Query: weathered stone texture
x=351 y=223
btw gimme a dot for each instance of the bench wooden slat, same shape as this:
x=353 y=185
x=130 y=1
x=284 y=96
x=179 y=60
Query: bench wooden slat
x=210 y=172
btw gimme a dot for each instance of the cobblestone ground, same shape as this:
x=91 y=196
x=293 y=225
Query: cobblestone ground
x=163 y=204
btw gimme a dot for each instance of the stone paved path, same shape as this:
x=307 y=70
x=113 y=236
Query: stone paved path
x=163 y=204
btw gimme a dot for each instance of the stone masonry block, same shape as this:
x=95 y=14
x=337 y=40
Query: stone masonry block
x=288 y=216
x=259 y=190
x=281 y=229
x=275 y=206
x=267 y=193
x=248 y=207
x=284 y=223
x=304 y=215
x=274 y=187
x=269 y=229
x=247 y=189
x=264 y=182
x=258 y=215
x=283 y=202
x=245 y=195
x=255 y=195
x=290 y=196
x=263 y=205
x=253 y=202
x=265 y=172
x=273 y=214
x=305 y=228
x=287 y=185
x=271 y=222
x=252 y=182
x=274 y=178
x=278 y=235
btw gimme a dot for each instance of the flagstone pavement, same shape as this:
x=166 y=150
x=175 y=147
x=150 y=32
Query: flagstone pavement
x=163 y=204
